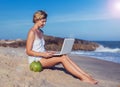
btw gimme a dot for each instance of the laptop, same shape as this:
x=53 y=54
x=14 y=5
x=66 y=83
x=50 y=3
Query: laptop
x=66 y=47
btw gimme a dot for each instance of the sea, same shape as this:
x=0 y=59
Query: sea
x=108 y=50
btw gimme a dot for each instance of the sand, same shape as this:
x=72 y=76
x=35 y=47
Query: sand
x=14 y=72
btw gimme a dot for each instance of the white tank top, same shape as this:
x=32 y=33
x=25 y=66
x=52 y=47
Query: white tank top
x=38 y=46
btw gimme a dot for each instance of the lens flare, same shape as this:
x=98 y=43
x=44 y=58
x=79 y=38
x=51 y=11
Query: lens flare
x=117 y=6
x=114 y=8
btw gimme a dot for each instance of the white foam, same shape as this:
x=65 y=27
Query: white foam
x=101 y=48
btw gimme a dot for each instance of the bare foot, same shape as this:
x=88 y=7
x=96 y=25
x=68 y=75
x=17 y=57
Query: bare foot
x=91 y=81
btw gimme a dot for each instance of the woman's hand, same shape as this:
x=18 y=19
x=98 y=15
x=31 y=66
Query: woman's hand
x=48 y=54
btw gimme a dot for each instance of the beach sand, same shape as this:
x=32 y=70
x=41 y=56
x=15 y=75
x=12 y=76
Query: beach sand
x=14 y=72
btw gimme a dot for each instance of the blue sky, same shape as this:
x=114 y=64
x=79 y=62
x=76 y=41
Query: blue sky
x=83 y=19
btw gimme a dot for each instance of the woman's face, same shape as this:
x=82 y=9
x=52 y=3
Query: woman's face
x=41 y=23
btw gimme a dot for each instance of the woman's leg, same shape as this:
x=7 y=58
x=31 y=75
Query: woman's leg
x=67 y=65
x=78 y=68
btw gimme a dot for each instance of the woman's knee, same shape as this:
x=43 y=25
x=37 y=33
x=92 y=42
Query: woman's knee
x=64 y=59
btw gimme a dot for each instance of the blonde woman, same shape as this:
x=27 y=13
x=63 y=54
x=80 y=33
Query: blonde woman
x=36 y=51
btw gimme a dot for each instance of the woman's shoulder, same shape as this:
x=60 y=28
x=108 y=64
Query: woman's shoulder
x=32 y=30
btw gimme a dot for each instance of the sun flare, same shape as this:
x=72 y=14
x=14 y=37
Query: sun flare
x=117 y=6
x=114 y=8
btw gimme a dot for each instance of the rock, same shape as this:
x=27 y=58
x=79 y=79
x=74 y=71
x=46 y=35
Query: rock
x=52 y=43
x=55 y=43
x=13 y=43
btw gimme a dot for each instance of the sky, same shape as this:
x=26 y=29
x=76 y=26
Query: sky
x=94 y=20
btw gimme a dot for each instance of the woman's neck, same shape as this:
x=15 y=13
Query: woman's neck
x=35 y=27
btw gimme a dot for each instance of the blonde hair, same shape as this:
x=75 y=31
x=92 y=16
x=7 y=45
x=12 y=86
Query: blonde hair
x=39 y=15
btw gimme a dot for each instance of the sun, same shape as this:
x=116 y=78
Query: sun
x=116 y=6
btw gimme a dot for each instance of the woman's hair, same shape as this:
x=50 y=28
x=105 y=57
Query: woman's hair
x=40 y=14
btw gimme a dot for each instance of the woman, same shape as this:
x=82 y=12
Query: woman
x=36 y=51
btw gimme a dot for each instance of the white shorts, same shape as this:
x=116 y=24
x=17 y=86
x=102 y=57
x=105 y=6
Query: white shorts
x=31 y=59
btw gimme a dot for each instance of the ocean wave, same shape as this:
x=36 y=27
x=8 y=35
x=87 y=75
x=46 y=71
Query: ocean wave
x=101 y=48
x=108 y=56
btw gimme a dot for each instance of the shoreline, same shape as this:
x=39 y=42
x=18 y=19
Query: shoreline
x=99 y=58
x=14 y=72
x=106 y=56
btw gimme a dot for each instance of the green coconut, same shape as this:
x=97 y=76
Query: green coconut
x=36 y=66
